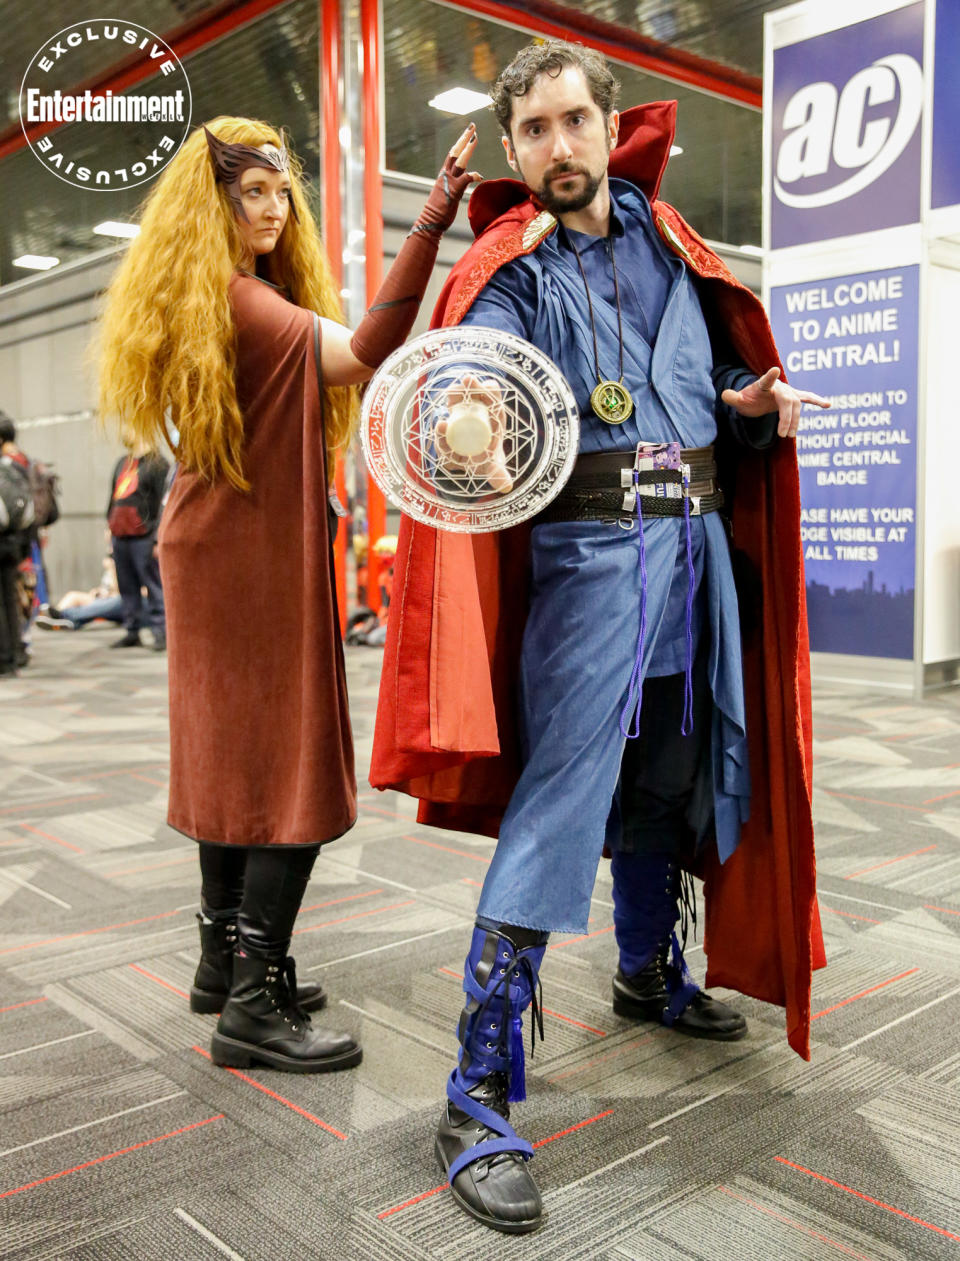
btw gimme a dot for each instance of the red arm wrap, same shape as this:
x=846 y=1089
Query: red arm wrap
x=388 y=321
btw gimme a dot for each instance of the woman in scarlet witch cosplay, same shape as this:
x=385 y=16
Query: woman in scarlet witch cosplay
x=224 y=320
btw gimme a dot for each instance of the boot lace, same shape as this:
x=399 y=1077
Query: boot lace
x=282 y=987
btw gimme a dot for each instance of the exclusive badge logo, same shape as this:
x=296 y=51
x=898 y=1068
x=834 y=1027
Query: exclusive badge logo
x=85 y=113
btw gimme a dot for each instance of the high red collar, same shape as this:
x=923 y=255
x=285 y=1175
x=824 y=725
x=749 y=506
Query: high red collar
x=643 y=148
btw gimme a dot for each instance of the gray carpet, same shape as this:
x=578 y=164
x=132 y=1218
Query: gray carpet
x=120 y=1140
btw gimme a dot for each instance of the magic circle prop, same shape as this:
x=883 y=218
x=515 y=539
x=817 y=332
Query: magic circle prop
x=469 y=429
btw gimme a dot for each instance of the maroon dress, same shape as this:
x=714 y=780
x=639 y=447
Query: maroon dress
x=261 y=751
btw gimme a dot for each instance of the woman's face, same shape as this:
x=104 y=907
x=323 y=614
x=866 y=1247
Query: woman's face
x=265 y=194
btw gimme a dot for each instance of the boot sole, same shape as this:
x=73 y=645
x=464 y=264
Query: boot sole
x=211 y=1002
x=630 y=1009
x=495 y=1223
x=228 y=1053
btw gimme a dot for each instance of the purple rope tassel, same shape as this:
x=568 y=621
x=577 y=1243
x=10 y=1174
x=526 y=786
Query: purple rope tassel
x=631 y=729
x=686 y=723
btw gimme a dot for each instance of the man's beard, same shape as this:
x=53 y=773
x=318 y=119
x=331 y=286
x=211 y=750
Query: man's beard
x=567 y=203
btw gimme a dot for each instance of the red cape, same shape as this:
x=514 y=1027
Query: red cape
x=445 y=729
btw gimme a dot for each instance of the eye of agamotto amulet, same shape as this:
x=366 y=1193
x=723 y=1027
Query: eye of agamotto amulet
x=468 y=429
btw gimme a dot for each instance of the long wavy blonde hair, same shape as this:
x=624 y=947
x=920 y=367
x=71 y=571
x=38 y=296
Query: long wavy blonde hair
x=167 y=340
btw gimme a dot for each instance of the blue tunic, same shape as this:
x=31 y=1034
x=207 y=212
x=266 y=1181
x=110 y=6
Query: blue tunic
x=580 y=639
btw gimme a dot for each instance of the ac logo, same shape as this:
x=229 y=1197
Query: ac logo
x=848 y=129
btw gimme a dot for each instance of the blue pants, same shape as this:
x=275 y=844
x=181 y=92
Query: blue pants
x=109 y=607
x=579 y=647
x=137 y=567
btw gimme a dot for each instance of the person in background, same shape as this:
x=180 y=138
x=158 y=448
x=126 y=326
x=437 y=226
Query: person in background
x=76 y=609
x=137 y=487
x=15 y=521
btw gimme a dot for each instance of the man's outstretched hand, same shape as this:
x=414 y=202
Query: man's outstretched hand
x=769 y=394
x=489 y=462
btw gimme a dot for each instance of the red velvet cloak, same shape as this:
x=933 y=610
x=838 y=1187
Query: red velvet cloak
x=445 y=729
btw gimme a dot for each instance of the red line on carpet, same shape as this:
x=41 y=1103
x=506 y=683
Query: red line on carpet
x=390 y=814
x=359 y=915
x=546 y=1010
x=28 y=1003
x=159 y=980
x=863 y=993
x=478 y=884
x=279 y=1098
x=477 y=858
x=603 y=1058
x=109 y=774
x=850 y=915
x=124 y=1151
x=145 y=779
x=946 y=910
x=876 y=801
x=334 y=901
x=33 y=806
x=806 y=1230
x=133 y=871
x=559 y=945
x=87 y=932
x=425 y=1195
x=841 y=1186
x=572 y=1129
x=570 y=1021
x=942 y=797
x=889 y=862
x=50 y=837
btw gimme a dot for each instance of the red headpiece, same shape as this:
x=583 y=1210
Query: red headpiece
x=231 y=160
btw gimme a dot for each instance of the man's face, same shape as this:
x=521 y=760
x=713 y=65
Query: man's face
x=560 y=142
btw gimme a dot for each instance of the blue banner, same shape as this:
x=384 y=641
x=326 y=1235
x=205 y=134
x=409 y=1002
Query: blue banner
x=946 y=107
x=854 y=339
x=846 y=109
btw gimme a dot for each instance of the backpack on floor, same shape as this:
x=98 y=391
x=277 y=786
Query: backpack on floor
x=16 y=499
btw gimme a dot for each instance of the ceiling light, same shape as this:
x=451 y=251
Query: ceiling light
x=460 y=101
x=675 y=150
x=36 y=262
x=756 y=250
x=111 y=227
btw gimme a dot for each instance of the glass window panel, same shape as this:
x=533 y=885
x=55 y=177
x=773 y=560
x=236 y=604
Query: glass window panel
x=267 y=69
x=429 y=48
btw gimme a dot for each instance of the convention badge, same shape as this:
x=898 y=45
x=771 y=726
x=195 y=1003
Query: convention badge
x=469 y=429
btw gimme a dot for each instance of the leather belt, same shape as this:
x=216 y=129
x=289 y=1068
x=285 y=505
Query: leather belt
x=594 y=490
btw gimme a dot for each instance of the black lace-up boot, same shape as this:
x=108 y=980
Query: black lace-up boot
x=664 y=991
x=211 y=985
x=262 y=1023
x=650 y=893
x=482 y=1155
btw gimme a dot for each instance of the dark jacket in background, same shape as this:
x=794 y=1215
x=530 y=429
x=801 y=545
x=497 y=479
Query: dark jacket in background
x=136 y=496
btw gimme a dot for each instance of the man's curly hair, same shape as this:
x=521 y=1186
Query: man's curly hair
x=551 y=57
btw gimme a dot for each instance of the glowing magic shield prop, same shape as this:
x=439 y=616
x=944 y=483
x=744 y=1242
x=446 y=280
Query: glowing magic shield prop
x=469 y=429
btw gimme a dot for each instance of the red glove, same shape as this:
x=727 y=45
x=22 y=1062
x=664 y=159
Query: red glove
x=388 y=321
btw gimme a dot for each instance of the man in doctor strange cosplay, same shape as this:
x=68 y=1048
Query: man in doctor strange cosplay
x=594 y=680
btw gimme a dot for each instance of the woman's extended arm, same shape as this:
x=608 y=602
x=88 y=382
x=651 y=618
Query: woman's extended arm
x=349 y=357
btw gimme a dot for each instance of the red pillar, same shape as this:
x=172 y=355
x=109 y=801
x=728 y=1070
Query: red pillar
x=330 y=43
x=373 y=215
